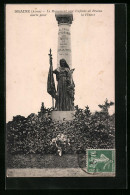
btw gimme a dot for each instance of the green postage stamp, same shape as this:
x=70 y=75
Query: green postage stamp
x=100 y=160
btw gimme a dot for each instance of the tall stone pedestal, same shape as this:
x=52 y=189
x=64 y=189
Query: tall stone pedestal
x=62 y=115
x=64 y=37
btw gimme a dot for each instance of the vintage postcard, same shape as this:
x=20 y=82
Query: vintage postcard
x=60 y=90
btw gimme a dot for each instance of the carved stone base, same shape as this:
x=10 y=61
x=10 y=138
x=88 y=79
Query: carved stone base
x=62 y=115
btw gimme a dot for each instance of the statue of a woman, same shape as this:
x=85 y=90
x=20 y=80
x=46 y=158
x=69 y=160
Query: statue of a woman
x=65 y=88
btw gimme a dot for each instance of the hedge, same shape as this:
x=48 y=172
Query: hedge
x=34 y=134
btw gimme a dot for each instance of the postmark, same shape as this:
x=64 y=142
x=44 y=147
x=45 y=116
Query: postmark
x=100 y=160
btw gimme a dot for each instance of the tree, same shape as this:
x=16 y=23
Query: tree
x=106 y=106
x=87 y=111
x=104 y=111
x=42 y=110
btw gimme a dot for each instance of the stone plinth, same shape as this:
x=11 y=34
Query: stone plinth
x=62 y=115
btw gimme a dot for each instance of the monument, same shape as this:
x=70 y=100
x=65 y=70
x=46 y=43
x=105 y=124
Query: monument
x=64 y=37
x=64 y=95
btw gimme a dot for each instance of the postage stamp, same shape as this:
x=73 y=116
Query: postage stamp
x=100 y=160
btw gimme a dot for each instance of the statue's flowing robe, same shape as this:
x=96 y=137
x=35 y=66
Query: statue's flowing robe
x=65 y=89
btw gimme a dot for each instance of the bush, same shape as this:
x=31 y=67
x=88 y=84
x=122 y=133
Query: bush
x=34 y=134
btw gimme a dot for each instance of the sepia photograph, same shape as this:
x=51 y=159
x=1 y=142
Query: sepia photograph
x=60 y=90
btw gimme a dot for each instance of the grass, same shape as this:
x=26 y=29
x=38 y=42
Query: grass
x=45 y=161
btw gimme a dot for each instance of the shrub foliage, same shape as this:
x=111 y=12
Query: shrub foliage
x=34 y=134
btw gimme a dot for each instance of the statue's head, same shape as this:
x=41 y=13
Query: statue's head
x=63 y=63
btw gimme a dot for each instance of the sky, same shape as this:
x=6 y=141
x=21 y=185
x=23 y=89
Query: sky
x=28 y=40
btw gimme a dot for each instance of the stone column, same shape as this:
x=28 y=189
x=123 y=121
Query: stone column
x=64 y=37
x=64 y=52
